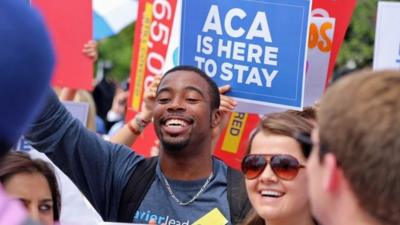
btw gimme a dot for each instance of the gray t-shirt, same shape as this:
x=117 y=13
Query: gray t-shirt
x=159 y=205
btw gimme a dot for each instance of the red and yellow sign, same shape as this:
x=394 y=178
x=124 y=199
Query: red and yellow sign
x=152 y=35
x=341 y=10
x=233 y=141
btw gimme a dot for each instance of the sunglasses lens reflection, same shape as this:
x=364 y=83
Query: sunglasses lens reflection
x=253 y=166
x=285 y=167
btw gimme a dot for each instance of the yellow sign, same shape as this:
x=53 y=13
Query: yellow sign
x=214 y=217
x=143 y=48
x=234 y=132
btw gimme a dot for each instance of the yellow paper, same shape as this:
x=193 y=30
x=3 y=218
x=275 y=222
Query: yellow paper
x=214 y=217
x=234 y=132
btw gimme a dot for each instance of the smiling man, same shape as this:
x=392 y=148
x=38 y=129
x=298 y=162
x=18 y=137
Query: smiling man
x=353 y=171
x=184 y=184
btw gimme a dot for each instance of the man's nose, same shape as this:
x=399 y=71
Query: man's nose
x=176 y=104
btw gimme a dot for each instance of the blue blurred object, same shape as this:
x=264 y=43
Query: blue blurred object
x=100 y=27
x=26 y=64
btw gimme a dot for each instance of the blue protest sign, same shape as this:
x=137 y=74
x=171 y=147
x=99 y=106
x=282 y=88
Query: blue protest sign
x=258 y=47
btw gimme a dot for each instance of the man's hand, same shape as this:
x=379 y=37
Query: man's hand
x=149 y=99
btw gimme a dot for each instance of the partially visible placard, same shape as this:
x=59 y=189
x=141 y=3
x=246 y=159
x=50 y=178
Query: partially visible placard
x=79 y=110
x=70 y=25
x=341 y=11
x=387 y=36
x=232 y=144
x=319 y=53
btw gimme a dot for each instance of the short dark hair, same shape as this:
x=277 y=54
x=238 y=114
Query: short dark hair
x=213 y=88
x=19 y=162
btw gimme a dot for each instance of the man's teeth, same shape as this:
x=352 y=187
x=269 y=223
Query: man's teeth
x=176 y=122
x=274 y=194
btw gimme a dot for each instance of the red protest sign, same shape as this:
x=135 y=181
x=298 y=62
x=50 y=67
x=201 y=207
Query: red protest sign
x=152 y=36
x=341 y=10
x=233 y=141
x=70 y=25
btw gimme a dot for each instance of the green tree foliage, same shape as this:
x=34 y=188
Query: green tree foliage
x=118 y=49
x=358 y=46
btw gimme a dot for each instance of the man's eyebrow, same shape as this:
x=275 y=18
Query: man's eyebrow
x=188 y=88
x=163 y=89
x=191 y=88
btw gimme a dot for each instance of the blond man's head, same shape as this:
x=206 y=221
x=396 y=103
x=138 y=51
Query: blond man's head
x=359 y=122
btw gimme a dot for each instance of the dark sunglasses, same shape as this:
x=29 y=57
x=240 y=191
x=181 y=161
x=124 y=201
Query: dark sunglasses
x=286 y=167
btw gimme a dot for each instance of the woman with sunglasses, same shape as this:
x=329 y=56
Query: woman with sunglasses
x=276 y=180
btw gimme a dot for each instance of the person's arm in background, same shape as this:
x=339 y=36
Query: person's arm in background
x=133 y=128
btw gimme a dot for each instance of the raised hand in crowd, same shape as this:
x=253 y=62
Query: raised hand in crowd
x=227 y=103
x=133 y=128
x=90 y=50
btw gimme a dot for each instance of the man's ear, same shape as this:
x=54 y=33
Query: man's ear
x=216 y=116
x=331 y=173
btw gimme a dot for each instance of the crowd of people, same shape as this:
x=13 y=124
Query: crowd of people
x=335 y=163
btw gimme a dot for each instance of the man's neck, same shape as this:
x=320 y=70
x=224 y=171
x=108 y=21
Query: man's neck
x=349 y=213
x=186 y=166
